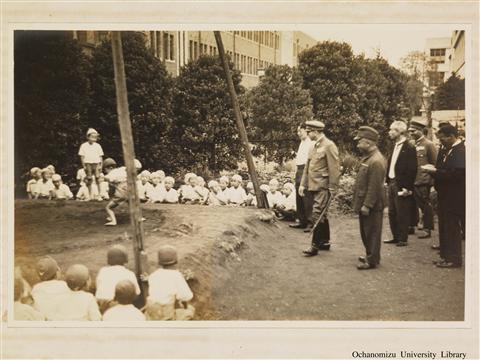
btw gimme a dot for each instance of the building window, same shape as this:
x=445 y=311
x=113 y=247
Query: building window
x=437 y=52
x=168 y=47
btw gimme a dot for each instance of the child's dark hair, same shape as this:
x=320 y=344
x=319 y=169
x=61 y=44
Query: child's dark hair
x=125 y=292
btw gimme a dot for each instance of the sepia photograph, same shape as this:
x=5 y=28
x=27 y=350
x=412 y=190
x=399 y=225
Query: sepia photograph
x=180 y=176
x=232 y=175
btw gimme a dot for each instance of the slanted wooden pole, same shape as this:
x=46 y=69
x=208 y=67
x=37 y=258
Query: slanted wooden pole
x=260 y=195
x=128 y=153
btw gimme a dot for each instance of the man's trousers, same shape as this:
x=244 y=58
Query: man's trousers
x=399 y=212
x=371 y=233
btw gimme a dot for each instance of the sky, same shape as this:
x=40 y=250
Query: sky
x=393 y=40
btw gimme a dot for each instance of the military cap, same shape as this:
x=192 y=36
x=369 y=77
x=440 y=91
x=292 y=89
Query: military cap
x=315 y=125
x=417 y=125
x=366 y=132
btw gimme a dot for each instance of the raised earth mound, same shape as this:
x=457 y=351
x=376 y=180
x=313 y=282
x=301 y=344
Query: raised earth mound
x=242 y=268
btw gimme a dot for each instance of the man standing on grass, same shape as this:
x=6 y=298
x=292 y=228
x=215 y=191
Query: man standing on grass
x=401 y=173
x=369 y=198
x=304 y=203
x=320 y=177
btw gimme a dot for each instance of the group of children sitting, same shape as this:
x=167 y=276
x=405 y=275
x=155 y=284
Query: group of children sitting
x=70 y=296
x=155 y=187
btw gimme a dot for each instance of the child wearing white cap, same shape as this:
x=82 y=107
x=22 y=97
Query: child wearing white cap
x=170 y=194
x=188 y=195
x=143 y=185
x=274 y=196
x=36 y=175
x=91 y=155
x=156 y=192
x=286 y=209
x=224 y=183
x=237 y=194
x=61 y=191
x=78 y=304
x=166 y=288
x=44 y=187
x=216 y=196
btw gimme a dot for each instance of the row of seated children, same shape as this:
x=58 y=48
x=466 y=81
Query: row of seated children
x=45 y=184
x=67 y=297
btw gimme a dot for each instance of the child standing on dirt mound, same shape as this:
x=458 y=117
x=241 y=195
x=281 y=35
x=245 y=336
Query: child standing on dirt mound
x=117 y=179
x=124 y=310
x=79 y=305
x=109 y=276
x=168 y=291
x=91 y=156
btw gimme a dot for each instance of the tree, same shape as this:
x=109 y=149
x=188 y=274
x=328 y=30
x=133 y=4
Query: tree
x=204 y=127
x=332 y=76
x=149 y=96
x=450 y=95
x=277 y=106
x=51 y=95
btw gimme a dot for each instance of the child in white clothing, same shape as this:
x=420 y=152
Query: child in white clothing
x=286 y=209
x=124 y=310
x=109 y=276
x=168 y=292
x=216 y=196
x=143 y=185
x=201 y=190
x=91 y=155
x=224 y=183
x=103 y=188
x=237 y=194
x=156 y=193
x=44 y=186
x=251 y=199
x=170 y=195
x=36 y=175
x=60 y=191
x=188 y=195
x=274 y=196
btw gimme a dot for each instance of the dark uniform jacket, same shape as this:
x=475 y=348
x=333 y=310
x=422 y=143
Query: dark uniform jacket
x=450 y=177
x=369 y=186
x=426 y=154
x=322 y=170
x=405 y=167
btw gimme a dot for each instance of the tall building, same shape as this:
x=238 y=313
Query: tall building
x=250 y=51
x=438 y=53
x=457 y=56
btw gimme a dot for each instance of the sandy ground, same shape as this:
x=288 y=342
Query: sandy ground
x=244 y=269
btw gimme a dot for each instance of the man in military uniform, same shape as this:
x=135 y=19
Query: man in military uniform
x=369 y=197
x=426 y=154
x=320 y=176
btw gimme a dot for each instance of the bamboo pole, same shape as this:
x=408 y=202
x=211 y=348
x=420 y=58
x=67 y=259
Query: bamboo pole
x=260 y=195
x=128 y=154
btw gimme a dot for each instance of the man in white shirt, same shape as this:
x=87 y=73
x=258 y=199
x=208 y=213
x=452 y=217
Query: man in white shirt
x=303 y=204
x=401 y=173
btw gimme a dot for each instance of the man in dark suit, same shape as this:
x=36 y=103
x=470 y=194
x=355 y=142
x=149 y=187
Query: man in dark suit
x=426 y=154
x=449 y=181
x=401 y=173
x=369 y=198
x=320 y=177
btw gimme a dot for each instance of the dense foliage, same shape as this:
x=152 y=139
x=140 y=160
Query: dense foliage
x=149 y=97
x=450 y=95
x=204 y=129
x=276 y=107
x=50 y=97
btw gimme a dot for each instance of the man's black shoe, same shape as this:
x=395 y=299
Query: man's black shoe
x=298 y=226
x=362 y=259
x=308 y=229
x=402 y=243
x=324 y=247
x=366 y=266
x=310 y=252
x=393 y=241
